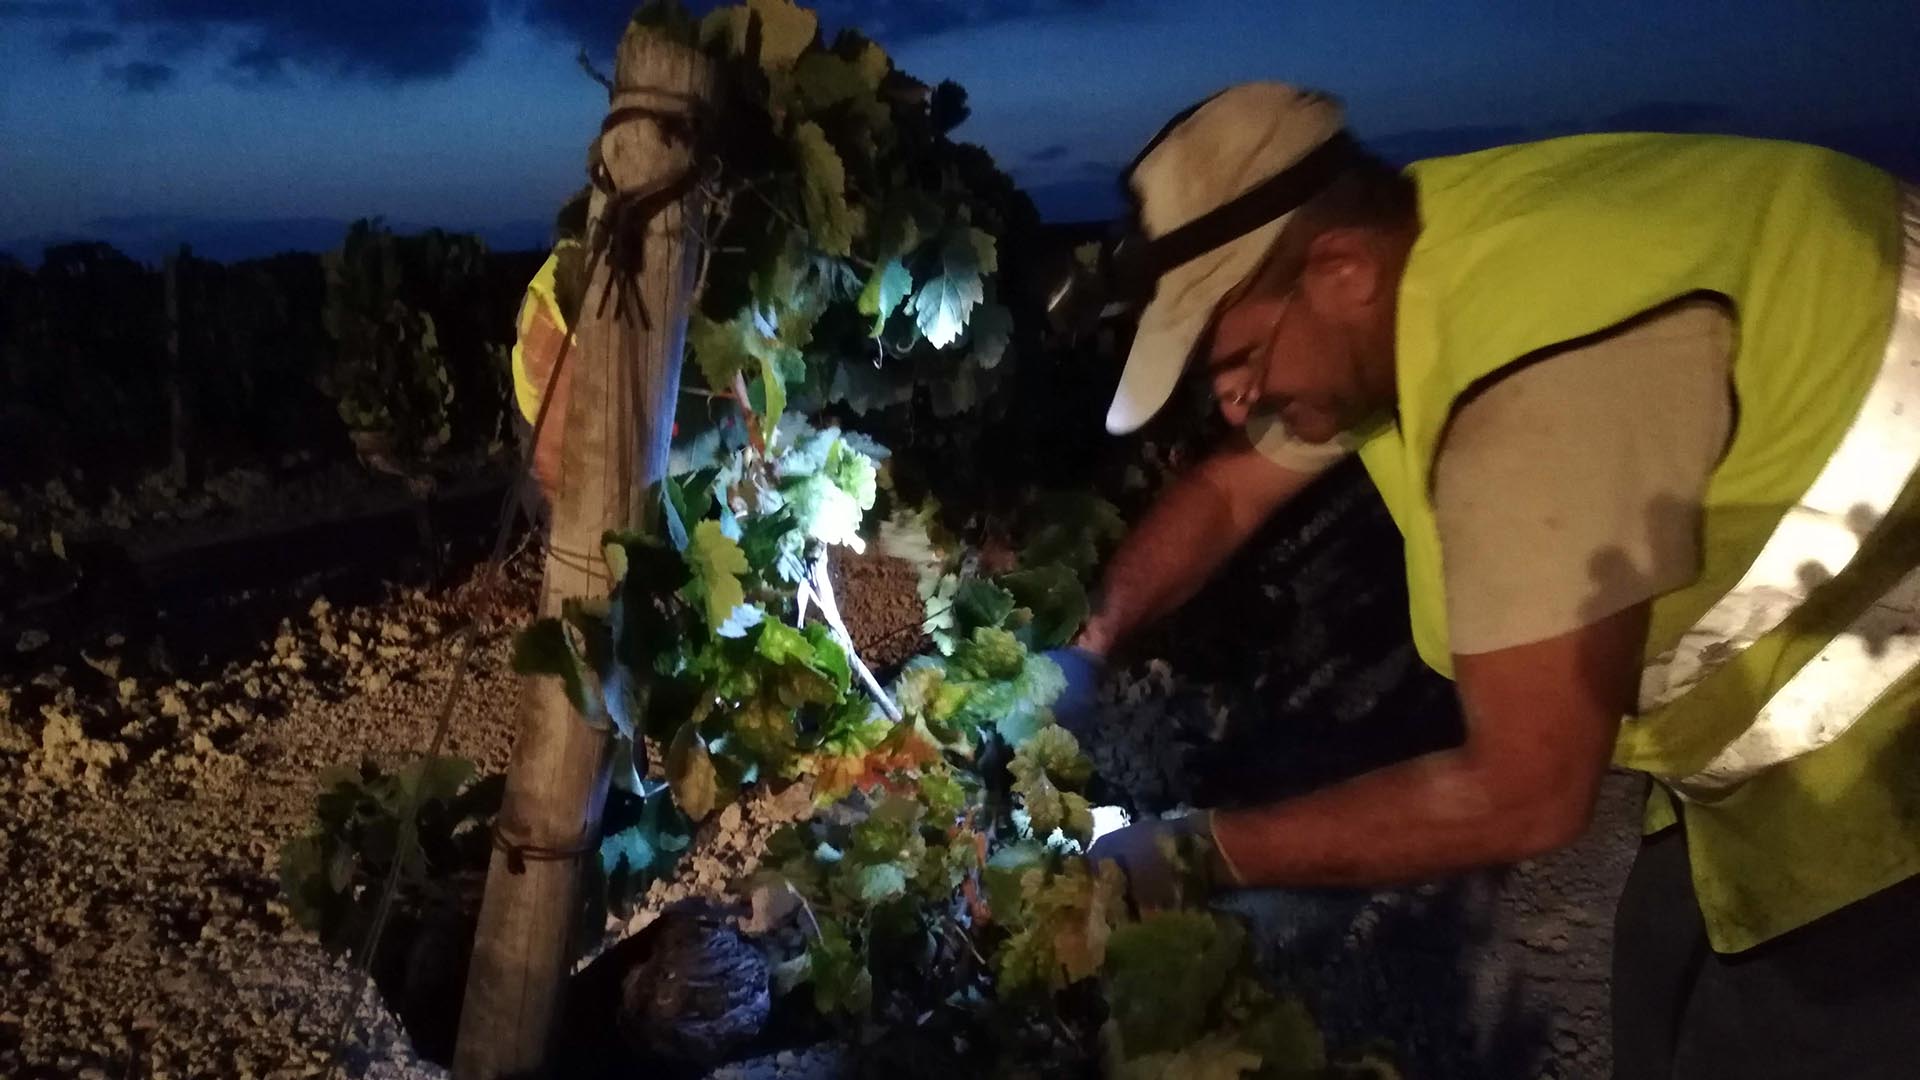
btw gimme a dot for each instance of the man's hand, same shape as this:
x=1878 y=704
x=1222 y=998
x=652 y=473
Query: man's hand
x=1078 y=707
x=1169 y=863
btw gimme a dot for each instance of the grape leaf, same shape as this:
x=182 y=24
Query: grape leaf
x=853 y=472
x=1070 y=917
x=822 y=80
x=785 y=31
x=986 y=256
x=719 y=350
x=763 y=727
x=545 y=649
x=1164 y=975
x=1057 y=599
x=1215 y=1057
x=882 y=882
x=989 y=653
x=941 y=306
x=832 y=222
x=825 y=511
x=982 y=603
x=690 y=772
x=992 y=329
x=1054 y=750
x=889 y=284
x=839 y=975
x=717 y=563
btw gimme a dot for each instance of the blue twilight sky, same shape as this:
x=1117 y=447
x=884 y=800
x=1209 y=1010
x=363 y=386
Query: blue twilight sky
x=246 y=125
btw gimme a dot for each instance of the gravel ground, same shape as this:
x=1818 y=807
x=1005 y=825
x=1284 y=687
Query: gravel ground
x=138 y=861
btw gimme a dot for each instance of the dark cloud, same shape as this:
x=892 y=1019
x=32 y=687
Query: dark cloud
x=597 y=23
x=42 y=9
x=395 y=40
x=1052 y=152
x=84 y=41
x=140 y=76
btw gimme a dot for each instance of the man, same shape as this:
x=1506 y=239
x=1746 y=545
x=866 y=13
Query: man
x=1639 y=405
x=543 y=336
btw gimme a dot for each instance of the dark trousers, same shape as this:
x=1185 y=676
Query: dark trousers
x=1837 y=999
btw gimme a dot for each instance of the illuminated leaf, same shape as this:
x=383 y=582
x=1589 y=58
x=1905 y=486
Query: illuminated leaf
x=832 y=222
x=717 y=563
x=941 y=306
x=886 y=287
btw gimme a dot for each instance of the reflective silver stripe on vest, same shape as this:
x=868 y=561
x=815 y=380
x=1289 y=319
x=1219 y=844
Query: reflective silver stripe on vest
x=1813 y=543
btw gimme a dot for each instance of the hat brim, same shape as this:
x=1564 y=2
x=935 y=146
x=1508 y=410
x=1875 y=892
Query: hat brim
x=1172 y=323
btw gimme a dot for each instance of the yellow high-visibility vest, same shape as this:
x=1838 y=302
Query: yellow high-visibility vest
x=1802 y=778
x=540 y=329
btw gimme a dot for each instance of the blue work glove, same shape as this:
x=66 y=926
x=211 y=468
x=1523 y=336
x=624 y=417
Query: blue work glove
x=1169 y=863
x=1078 y=707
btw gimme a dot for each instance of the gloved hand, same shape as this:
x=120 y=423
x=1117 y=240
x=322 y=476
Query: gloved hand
x=1078 y=706
x=1169 y=862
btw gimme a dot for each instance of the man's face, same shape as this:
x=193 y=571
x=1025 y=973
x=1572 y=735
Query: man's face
x=1276 y=354
x=1317 y=353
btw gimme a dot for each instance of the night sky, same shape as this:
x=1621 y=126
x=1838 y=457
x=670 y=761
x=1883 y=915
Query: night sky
x=248 y=125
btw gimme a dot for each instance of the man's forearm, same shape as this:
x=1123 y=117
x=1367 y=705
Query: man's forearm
x=1435 y=815
x=1199 y=522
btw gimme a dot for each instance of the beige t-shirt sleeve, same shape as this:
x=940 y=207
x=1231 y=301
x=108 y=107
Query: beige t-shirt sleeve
x=1270 y=437
x=1571 y=488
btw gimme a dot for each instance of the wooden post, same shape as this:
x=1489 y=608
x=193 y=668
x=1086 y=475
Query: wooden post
x=625 y=380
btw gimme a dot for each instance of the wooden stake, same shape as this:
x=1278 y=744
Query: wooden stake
x=619 y=424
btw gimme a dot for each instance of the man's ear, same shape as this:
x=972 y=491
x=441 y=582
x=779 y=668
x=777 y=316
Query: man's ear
x=1346 y=271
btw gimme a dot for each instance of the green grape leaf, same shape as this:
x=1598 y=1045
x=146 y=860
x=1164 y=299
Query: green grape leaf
x=717 y=563
x=1057 y=599
x=1070 y=528
x=1070 y=916
x=986 y=252
x=1054 y=751
x=825 y=511
x=1165 y=974
x=833 y=223
x=870 y=58
x=773 y=393
x=982 y=603
x=785 y=31
x=941 y=306
x=989 y=653
x=886 y=287
x=1279 y=1029
x=690 y=772
x=822 y=80
x=545 y=649
x=881 y=882
x=991 y=330
x=853 y=472
x=839 y=975
x=719 y=350
x=763 y=727
x=1214 y=1057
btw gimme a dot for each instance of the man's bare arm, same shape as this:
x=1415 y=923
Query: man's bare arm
x=1541 y=721
x=1201 y=520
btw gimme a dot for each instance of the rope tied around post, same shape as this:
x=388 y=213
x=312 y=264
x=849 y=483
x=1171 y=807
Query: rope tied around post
x=620 y=235
x=520 y=854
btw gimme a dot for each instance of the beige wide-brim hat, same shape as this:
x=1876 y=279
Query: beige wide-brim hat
x=1229 y=144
